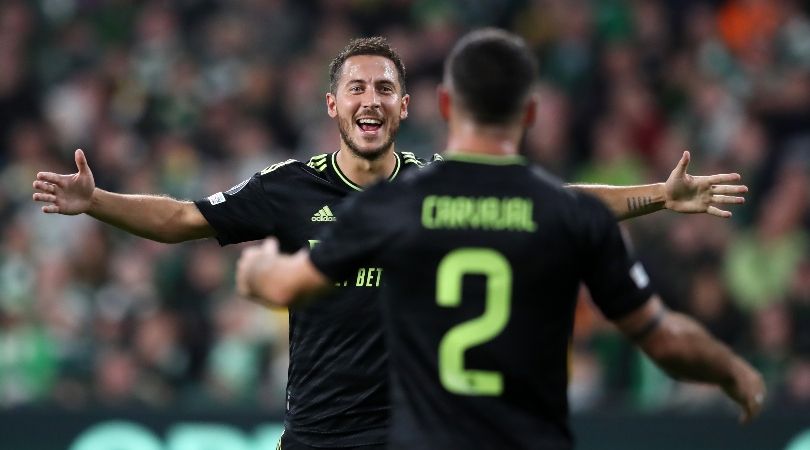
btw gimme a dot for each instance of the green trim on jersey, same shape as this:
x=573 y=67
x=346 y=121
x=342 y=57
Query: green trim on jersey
x=354 y=186
x=497 y=160
x=410 y=158
x=318 y=162
x=396 y=169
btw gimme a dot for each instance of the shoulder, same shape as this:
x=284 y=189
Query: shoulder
x=553 y=185
x=409 y=159
x=318 y=163
x=573 y=205
x=545 y=178
x=293 y=168
x=275 y=167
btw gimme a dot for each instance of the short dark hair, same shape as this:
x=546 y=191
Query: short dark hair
x=491 y=72
x=375 y=45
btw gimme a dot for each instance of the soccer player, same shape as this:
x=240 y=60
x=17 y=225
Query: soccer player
x=337 y=380
x=483 y=255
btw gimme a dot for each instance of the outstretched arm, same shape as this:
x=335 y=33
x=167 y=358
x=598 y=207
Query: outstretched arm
x=158 y=218
x=686 y=351
x=681 y=192
x=266 y=277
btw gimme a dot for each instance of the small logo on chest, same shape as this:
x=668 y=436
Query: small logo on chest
x=324 y=215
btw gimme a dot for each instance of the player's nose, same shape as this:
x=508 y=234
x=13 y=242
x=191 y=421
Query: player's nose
x=371 y=99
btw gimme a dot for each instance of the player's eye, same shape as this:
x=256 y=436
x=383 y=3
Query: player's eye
x=355 y=89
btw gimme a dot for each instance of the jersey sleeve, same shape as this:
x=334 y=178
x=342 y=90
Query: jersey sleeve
x=243 y=213
x=363 y=230
x=617 y=282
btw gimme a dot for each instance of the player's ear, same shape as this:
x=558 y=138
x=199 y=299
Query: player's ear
x=331 y=105
x=403 y=106
x=530 y=113
x=443 y=96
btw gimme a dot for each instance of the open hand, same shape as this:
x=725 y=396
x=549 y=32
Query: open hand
x=699 y=194
x=66 y=194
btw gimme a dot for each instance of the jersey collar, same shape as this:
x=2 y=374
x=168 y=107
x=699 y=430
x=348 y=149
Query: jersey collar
x=495 y=160
x=354 y=186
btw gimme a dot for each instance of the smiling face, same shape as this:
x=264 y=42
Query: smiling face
x=368 y=104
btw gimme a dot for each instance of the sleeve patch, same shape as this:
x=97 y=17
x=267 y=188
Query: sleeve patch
x=216 y=199
x=639 y=275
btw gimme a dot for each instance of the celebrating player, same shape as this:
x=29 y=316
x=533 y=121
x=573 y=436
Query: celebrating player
x=482 y=276
x=337 y=381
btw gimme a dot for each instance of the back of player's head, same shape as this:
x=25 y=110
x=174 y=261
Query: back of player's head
x=376 y=46
x=491 y=73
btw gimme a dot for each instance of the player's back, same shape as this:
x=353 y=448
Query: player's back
x=480 y=296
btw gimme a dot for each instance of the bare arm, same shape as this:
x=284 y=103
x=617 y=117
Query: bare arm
x=158 y=218
x=686 y=351
x=681 y=192
x=627 y=201
x=272 y=279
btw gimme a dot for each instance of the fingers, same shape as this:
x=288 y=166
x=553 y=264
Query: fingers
x=251 y=263
x=46 y=195
x=50 y=177
x=683 y=164
x=45 y=187
x=727 y=199
x=749 y=410
x=724 y=200
x=242 y=271
x=752 y=408
x=81 y=161
x=270 y=245
x=715 y=211
x=720 y=178
x=241 y=283
x=46 y=198
x=729 y=189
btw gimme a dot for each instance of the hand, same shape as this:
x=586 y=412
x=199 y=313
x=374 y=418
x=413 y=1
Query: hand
x=66 y=194
x=747 y=389
x=252 y=264
x=690 y=194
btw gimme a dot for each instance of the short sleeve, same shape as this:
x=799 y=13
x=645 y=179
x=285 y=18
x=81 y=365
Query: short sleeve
x=242 y=213
x=617 y=282
x=365 y=227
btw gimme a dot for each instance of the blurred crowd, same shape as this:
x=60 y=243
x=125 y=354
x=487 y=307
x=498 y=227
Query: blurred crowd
x=187 y=98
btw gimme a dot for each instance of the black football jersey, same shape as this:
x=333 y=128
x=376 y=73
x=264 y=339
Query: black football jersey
x=337 y=388
x=483 y=261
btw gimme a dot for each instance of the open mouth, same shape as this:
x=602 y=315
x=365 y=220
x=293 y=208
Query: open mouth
x=369 y=125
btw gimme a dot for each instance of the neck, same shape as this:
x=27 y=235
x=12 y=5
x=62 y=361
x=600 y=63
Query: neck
x=468 y=137
x=364 y=172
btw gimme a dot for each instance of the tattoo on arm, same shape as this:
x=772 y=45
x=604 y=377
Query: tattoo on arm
x=649 y=327
x=638 y=203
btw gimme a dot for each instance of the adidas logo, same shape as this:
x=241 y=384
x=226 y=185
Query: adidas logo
x=324 y=215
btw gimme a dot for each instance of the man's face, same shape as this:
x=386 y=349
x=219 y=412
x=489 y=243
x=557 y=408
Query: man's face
x=368 y=104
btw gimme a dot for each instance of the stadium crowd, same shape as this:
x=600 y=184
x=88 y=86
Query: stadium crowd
x=189 y=98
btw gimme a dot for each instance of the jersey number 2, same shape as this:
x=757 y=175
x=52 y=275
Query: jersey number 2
x=452 y=268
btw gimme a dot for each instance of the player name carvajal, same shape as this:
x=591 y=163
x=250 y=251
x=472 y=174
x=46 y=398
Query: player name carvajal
x=480 y=213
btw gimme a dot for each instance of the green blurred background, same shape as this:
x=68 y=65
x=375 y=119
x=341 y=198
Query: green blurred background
x=190 y=97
